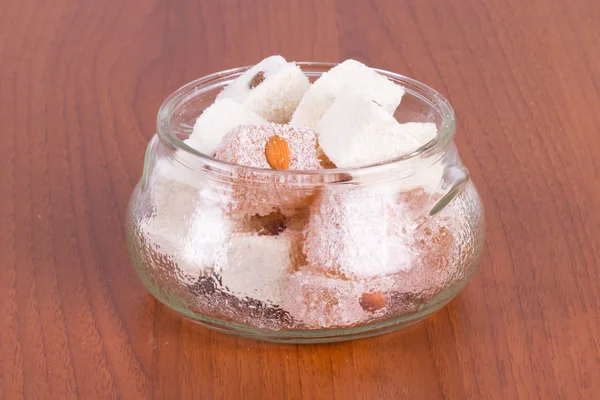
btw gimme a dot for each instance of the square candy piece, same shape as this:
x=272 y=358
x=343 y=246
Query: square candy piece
x=207 y=240
x=216 y=121
x=323 y=92
x=348 y=234
x=272 y=89
x=260 y=193
x=356 y=131
x=246 y=145
x=239 y=89
x=254 y=266
x=186 y=226
x=320 y=301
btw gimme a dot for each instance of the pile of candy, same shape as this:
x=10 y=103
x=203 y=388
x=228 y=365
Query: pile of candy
x=265 y=254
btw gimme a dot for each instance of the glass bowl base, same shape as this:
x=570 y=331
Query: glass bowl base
x=312 y=336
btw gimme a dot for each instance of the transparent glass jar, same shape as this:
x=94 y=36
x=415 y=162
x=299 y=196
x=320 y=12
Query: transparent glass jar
x=304 y=256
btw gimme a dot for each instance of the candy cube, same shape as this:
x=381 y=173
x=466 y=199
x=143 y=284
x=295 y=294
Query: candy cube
x=207 y=240
x=348 y=234
x=254 y=266
x=216 y=121
x=272 y=89
x=356 y=131
x=323 y=92
x=320 y=301
x=187 y=226
x=268 y=146
x=247 y=145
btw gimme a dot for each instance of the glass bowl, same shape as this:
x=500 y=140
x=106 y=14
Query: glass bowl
x=304 y=256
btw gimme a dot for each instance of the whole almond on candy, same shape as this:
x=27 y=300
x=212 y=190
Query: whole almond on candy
x=277 y=152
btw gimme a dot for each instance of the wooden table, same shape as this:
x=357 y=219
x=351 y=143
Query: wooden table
x=80 y=85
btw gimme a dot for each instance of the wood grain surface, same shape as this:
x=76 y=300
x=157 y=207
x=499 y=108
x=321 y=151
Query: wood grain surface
x=80 y=85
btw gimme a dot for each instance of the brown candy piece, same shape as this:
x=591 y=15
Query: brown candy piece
x=269 y=146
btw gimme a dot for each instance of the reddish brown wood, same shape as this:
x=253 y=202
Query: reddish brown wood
x=80 y=84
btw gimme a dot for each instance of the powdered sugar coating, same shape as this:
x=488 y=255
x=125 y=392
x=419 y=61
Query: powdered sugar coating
x=355 y=131
x=260 y=193
x=254 y=266
x=188 y=225
x=245 y=145
x=323 y=92
x=276 y=96
x=321 y=301
x=216 y=120
x=348 y=234
x=239 y=89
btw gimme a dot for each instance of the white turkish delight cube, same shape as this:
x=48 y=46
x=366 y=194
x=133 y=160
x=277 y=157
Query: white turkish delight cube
x=323 y=92
x=272 y=89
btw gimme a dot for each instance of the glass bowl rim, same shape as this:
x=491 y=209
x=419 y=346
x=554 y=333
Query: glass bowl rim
x=201 y=85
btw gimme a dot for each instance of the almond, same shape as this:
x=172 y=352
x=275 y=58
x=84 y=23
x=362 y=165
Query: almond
x=372 y=301
x=277 y=152
x=257 y=79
